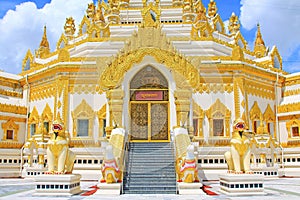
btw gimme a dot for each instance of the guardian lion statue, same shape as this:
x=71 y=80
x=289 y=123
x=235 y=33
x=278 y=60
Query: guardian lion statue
x=187 y=167
x=238 y=158
x=60 y=157
x=110 y=169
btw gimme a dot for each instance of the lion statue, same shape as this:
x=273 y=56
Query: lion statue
x=60 y=157
x=110 y=169
x=238 y=158
x=187 y=167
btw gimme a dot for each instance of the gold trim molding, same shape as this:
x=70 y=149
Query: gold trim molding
x=13 y=109
x=10 y=125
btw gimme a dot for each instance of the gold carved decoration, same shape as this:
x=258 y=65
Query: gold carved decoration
x=42 y=92
x=255 y=114
x=151 y=14
x=84 y=25
x=11 y=93
x=291 y=107
x=101 y=116
x=289 y=124
x=234 y=24
x=28 y=59
x=10 y=125
x=149 y=42
x=291 y=92
x=219 y=107
x=115 y=107
x=13 y=109
x=34 y=116
x=182 y=102
x=269 y=115
x=63 y=55
x=83 y=111
x=198 y=114
x=47 y=116
x=62 y=42
x=261 y=90
x=215 y=87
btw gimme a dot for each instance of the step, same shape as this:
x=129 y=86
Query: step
x=150 y=191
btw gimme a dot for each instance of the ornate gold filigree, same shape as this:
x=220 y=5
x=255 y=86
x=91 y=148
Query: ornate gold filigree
x=22 y=110
x=10 y=125
x=198 y=114
x=83 y=111
x=219 y=107
x=101 y=116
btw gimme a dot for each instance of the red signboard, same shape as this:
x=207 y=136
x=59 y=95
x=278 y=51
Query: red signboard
x=149 y=95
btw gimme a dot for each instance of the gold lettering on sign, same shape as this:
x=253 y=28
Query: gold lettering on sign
x=144 y=96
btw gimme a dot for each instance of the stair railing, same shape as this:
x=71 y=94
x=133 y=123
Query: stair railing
x=125 y=160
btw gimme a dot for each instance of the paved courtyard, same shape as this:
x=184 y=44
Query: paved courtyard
x=281 y=188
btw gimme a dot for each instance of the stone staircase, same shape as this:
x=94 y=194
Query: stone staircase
x=150 y=169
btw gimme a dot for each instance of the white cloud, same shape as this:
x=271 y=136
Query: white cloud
x=22 y=29
x=279 y=22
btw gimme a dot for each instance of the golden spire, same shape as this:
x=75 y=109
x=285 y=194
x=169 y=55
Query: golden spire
x=44 y=42
x=259 y=45
x=234 y=24
x=212 y=9
x=44 y=49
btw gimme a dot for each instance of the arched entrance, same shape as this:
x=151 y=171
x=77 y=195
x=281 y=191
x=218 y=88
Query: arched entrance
x=149 y=106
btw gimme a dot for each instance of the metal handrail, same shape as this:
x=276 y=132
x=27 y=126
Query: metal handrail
x=125 y=160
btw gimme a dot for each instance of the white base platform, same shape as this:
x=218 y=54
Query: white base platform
x=57 y=185
x=242 y=184
x=30 y=172
x=108 y=189
x=189 y=188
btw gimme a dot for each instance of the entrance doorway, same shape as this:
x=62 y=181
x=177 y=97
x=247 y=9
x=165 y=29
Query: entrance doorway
x=149 y=107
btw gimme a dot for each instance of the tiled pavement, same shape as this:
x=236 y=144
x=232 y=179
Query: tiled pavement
x=281 y=189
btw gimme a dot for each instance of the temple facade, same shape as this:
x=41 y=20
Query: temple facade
x=149 y=67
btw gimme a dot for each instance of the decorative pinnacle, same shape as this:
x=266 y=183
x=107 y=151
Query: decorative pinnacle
x=44 y=42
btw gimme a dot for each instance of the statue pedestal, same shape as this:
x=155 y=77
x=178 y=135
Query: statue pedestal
x=189 y=188
x=109 y=189
x=242 y=184
x=57 y=185
x=30 y=172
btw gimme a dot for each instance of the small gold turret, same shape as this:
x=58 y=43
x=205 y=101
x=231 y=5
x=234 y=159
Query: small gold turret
x=44 y=49
x=234 y=24
x=259 y=45
x=99 y=18
x=201 y=12
x=212 y=9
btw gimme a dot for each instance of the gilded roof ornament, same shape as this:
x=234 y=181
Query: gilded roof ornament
x=44 y=49
x=234 y=24
x=212 y=9
x=90 y=11
x=44 y=42
x=69 y=26
x=99 y=18
x=201 y=12
x=259 y=45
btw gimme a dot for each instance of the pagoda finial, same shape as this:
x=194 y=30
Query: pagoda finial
x=44 y=42
x=234 y=24
x=212 y=9
x=259 y=45
x=44 y=49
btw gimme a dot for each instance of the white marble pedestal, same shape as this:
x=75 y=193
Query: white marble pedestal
x=57 y=185
x=189 y=188
x=108 y=189
x=242 y=184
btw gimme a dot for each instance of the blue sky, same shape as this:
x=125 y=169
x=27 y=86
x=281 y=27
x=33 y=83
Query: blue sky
x=22 y=21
